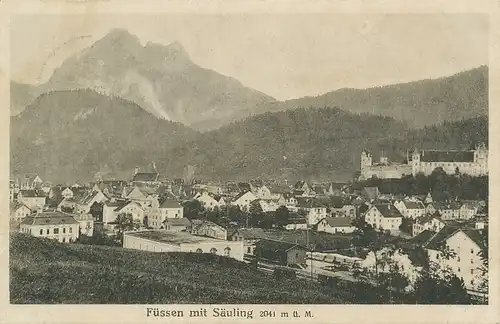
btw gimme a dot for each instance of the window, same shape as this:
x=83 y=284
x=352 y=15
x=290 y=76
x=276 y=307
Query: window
x=63 y=240
x=47 y=231
x=458 y=269
x=213 y=250
x=64 y=230
x=41 y=232
x=71 y=229
x=472 y=251
x=471 y=271
x=458 y=258
x=249 y=250
x=56 y=231
x=227 y=251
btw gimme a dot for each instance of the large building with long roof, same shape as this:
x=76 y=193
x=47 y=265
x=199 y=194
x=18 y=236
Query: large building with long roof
x=471 y=162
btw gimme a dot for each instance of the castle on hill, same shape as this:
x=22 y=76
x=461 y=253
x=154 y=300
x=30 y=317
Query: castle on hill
x=471 y=162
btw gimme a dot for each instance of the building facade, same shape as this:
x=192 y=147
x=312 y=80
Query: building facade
x=471 y=162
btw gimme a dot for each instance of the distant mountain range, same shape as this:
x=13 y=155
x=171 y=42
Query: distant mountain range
x=118 y=104
x=163 y=80
x=74 y=135
x=420 y=103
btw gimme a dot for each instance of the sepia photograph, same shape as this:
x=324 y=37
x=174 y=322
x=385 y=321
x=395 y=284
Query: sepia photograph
x=230 y=158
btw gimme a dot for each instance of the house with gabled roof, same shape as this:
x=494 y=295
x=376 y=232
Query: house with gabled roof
x=133 y=208
x=53 y=225
x=465 y=261
x=146 y=178
x=447 y=210
x=207 y=200
x=410 y=208
x=314 y=209
x=280 y=252
x=168 y=209
x=431 y=223
x=289 y=201
x=243 y=200
x=33 y=199
x=336 y=189
x=19 y=211
x=335 y=225
x=384 y=217
x=207 y=228
x=302 y=187
x=85 y=201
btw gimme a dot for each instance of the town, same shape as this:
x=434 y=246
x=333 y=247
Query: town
x=396 y=226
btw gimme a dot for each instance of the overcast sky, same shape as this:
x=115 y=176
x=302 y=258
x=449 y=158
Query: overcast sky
x=285 y=56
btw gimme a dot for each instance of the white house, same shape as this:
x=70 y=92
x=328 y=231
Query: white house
x=207 y=200
x=52 y=225
x=289 y=201
x=133 y=208
x=384 y=216
x=268 y=205
x=20 y=212
x=243 y=200
x=86 y=223
x=410 y=209
x=334 y=225
x=466 y=261
x=429 y=223
x=33 y=199
x=168 y=209
x=314 y=212
x=263 y=192
x=468 y=210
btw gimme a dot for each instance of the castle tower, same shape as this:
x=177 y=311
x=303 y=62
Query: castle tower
x=481 y=159
x=366 y=159
x=415 y=161
x=136 y=170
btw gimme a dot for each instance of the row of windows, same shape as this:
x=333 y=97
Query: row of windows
x=56 y=231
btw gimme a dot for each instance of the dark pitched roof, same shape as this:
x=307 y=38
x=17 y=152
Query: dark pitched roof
x=169 y=203
x=277 y=246
x=388 y=211
x=146 y=176
x=49 y=218
x=422 y=238
x=338 y=221
x=32 y=193
x=177 y=221
x=413 y=204
x=440 y=237
x=446 y=156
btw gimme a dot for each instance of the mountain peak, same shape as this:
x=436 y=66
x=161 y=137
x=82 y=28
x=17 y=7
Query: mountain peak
x=120 y=38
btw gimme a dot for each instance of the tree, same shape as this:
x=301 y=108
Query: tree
x=96 y=211
x=193 y=209
x=439 y=285
x=281 y=216
x=125 y=222
x=406 y=225
x=256 y=215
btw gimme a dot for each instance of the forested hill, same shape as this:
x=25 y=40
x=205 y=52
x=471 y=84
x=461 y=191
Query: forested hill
x=420 y=103
x=312 y=144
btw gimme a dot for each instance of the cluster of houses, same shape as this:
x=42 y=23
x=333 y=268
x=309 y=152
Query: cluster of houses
x=65 y=212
